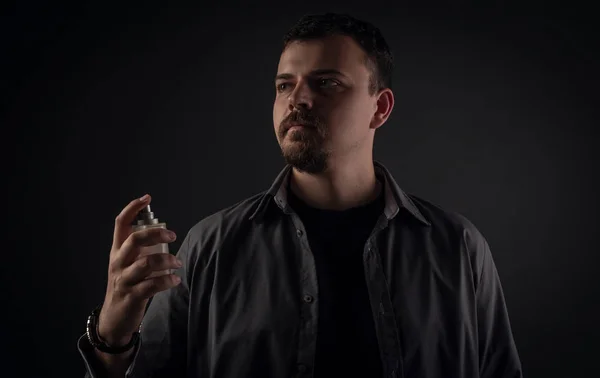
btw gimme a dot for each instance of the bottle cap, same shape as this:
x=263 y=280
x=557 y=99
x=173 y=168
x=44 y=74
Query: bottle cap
x=146 y=217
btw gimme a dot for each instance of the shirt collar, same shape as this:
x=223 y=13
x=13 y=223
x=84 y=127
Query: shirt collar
x=395 y=198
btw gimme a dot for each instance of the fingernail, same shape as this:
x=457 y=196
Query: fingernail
x=179 y=263
x=144 y=198
x=171 y=235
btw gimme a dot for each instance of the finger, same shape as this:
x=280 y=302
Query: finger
x=143 y=266
x=124 y=220
x=131 y=247
x=151 y=286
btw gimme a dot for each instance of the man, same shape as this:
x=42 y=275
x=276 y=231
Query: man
x=334 y=271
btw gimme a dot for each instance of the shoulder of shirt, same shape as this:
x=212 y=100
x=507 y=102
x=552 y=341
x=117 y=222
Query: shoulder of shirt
x=225 y=220
x=450 y=223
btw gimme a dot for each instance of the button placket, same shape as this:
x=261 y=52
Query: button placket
x=309 y=312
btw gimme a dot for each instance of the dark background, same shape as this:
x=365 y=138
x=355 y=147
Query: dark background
x=494 y=118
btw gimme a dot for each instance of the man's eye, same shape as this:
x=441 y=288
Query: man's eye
x=323 y=83
x=328 y=83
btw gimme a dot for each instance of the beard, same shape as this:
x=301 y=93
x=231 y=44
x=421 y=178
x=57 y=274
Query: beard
x=304 y=149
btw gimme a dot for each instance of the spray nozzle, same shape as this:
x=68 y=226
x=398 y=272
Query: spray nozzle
x=146 y=217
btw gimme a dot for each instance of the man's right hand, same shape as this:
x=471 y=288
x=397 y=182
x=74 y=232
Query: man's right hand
x=128 y=289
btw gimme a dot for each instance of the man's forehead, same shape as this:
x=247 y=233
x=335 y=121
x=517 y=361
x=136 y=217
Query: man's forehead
x=334 y=52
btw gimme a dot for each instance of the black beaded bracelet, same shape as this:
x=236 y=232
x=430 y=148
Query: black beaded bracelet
x=96 y=342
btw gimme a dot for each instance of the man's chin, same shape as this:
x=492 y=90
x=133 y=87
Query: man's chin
x=306 y=161
x=297 y=139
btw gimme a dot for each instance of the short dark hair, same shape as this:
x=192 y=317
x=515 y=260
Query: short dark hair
x=379 y=57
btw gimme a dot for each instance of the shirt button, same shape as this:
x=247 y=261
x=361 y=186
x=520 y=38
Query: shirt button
x=302 y=368
x=299 y=232
x=308 y=298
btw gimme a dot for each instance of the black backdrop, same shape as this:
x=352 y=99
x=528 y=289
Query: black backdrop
x=494 y=119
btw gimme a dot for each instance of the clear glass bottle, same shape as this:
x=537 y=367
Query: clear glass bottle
x=146 y=220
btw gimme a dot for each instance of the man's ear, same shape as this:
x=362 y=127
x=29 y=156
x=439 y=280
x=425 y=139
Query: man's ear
x=383 y=108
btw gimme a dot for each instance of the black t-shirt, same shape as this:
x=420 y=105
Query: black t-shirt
x=346 y=341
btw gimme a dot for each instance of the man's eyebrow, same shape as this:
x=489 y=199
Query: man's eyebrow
x=324 y=71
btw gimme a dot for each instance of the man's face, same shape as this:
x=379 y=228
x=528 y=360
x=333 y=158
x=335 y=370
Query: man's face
x=323 y=85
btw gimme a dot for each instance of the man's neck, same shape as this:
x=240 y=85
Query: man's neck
x=341 y=187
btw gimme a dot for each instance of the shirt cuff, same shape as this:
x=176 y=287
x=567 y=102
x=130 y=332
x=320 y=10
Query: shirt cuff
x=91 y=362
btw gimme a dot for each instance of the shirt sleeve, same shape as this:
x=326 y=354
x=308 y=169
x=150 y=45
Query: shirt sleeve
x=161 y=351
x=498 y=356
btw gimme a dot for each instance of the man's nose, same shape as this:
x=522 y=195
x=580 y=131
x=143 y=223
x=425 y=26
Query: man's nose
x=301 y=97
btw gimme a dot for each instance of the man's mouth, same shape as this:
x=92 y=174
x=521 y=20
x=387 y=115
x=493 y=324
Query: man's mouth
x=298 y=126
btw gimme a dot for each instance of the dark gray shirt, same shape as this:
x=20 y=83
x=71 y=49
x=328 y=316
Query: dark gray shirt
x=248 y=302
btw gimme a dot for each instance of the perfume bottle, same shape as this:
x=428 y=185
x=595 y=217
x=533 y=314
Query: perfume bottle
x=146 y=220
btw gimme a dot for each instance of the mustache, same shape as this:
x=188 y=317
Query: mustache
x=295 y=118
